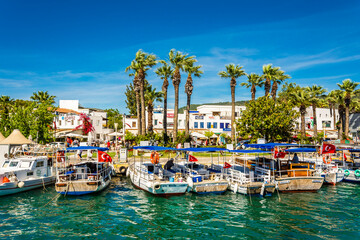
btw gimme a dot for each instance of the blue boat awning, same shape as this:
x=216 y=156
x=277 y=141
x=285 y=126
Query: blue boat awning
x=299 y=150
x=153 y=148
x=269 y=145
x=248 y=151
x=212 y=149
x=87 y=148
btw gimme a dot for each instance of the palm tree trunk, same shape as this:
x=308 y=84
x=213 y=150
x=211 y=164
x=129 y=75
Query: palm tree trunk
x=176 y=110
x=142 y=100
x=341 y=121
x=150 y=118
x=138 y=109
x=267 y=86
x=274 y=90
x=187 y=114
x=302 y=113
x=347 y=113
x=334 y=115
x=253 y=91
x=232 y=113
x=315 y=120
x=165 y=114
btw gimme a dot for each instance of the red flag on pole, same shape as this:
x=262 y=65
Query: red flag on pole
x=192 y=158
x=279 y=154
x=227 y=165
x=104 y=157
x=328 y=148
x=345 y=158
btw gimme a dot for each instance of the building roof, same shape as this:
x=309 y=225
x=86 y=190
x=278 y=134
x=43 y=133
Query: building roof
x=16 y=138
x=65 y=110
x=1 y=137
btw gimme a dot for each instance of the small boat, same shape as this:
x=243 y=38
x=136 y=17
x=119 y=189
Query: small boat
x=151 y=177
x=332 y=174
x=352 y=175
x=24 y=173
x=83 y=176
x=247 y=176
x=202 y=180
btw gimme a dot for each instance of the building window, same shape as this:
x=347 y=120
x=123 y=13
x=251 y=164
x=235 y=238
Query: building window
x=179 y=122
x=72 y=122
x=215 y=125
x=201 y=124
x=208 y=125
x=156 y=121
x=221 y=125
x=326 y=124
x=196 y=125
x=97 y=122
x=59 y=122
x=133 y=124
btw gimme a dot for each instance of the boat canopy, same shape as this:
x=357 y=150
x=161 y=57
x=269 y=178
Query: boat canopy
x=354 y=150
x=212 y=149
x=269 y=145
x=299 y=150
x=153 y=148
x=248 y=151
x=87 y=148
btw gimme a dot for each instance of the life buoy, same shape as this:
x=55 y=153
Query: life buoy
x=346 y=172
x=357 y=173
x=154 y=157
x=60 y=156
x=327 y=159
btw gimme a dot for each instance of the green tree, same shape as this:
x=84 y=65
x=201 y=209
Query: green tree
x=301 y=98
x=264 y=117
x=339 y=98
x=131 y=99
x=165 y=72
x=190 y=69
x=151 y=96
x=317 y=95
x=178 y=60
x=6 y=104
x=331 y=100
x=348 y=87
x=233 y=72
x=114 y=116
x=42 y=97
x=270 y=73
x=279 y=78
x=208 y=135
x=253 y=81
x=142 y=63
x=286 y=91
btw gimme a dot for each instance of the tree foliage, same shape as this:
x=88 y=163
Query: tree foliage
x=114 y=116
x=265 y=118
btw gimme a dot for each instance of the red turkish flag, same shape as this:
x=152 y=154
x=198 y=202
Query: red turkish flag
x=345 y=158
x=279 y=154
x=227 y=165
x=104 y=157
x=328 y=148
x=192 y=158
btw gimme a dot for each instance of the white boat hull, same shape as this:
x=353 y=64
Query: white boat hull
x=352 y=177
x=13 y=187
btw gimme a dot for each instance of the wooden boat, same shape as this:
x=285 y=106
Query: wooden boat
x=153 y=178
x=85 y=177
x=24 y=173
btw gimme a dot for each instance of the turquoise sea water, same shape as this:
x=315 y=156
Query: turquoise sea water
x=124 y=212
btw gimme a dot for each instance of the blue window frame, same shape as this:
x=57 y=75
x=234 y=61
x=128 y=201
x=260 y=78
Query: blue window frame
x=201 y=124
x=214 y=124
x=196 y=125
x=221 y=125
x=208 y=125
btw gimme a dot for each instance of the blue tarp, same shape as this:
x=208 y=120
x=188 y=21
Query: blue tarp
x=354 y=150
x=269 y=145
x=299 y=150
x=153 y=148
x=248 y=151
x=87 y=148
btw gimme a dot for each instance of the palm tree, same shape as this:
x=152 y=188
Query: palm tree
x=277 y=80
x=142 y=63
x=233 y=72
x=191 y=70
x=331 y=99
x=178 y=61
x=42 y=97
x=348 y=87
x=317 y=94
x=151 y=96
x=136 y=83
x=165 y=72
x=253 y=81
x=339 y=97
x=301 y=98
x=269 y=74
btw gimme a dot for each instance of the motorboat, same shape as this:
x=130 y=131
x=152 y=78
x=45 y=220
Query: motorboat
x=23 y=173
x=79 y=176
x=150 y=176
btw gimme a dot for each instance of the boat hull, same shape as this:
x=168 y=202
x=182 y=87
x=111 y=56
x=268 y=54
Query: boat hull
x=12 y=187
x=294 y=184
x=77 y=188
x=352 y=177
x=252 y=188
x=333 y=178
x=209 y=186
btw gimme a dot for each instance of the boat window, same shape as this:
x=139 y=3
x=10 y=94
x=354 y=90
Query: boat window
x=6 y=164
x=25 y=164
x=13 y=164
x=30 y=173
x=40 y=164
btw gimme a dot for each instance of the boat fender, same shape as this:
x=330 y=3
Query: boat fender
x=127 y=172
x=21 y=184
x=357 y=173
x=217 y=179
x=190 y=182
x=346 y=172
x=262 y=189
x=122 y=170
x=5 y=180
x=236 y=188
x=157 y=187
x=340 y=170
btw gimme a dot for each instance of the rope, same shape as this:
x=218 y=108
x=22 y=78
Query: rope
x=52 y=199
x=42 y=179
x=277 y=189
x=249 y=194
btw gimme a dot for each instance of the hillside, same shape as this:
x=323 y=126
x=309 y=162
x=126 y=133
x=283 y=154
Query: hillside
x=194 y=106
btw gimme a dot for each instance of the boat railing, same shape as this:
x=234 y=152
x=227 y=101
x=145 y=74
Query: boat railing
x=238 y=176
x=262 y=174
x=81 y=174
x=296 y=173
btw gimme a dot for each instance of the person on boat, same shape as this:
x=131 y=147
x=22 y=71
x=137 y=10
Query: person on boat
x=295 y=158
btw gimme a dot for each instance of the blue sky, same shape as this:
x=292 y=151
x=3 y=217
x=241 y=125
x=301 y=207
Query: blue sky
x=80 y=49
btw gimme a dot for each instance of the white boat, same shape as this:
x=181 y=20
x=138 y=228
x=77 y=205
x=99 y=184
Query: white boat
x=352 y=176
x=331 y=173
x=24 y=173
x=84 y=176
